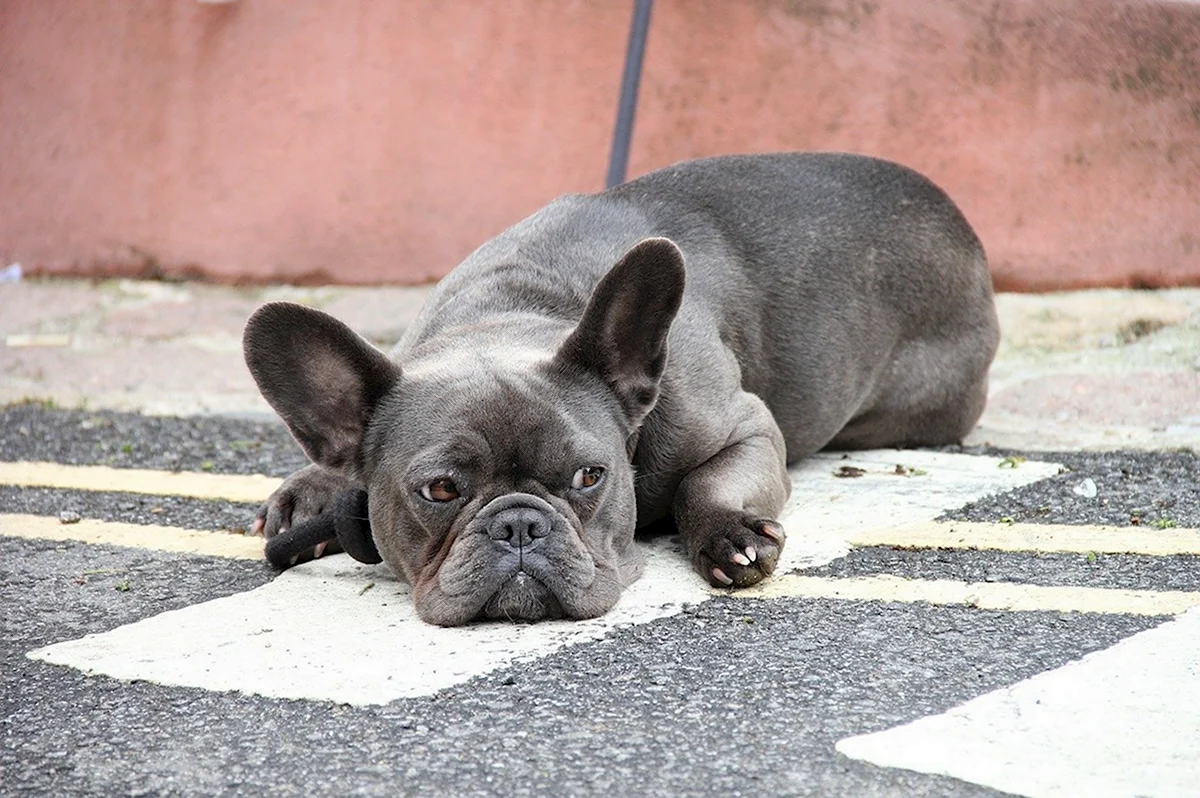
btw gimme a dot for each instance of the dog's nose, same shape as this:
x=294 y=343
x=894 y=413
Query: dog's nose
x=520 y=526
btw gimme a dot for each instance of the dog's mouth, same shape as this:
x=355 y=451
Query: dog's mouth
x=517 y=560
x=523 y=598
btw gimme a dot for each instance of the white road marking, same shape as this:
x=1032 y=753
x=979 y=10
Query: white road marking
x=826 y=512
x=250 y=488
x=313 y=633
x=1034 y=537
x=335 y=630
x=142 y=536
x=1124 y=721
x=1008 y=596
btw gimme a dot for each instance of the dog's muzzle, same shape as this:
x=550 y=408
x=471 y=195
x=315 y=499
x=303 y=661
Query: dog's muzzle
x=525 y=532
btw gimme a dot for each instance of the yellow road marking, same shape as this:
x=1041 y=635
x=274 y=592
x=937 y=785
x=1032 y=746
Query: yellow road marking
x=929 y=535
x=255 y=488
x=1033 y=538
x=252 y=488
x=157 y=538
x=17 y=341
x=983 y=595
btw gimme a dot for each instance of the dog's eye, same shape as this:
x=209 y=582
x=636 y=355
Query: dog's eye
x=587 y=477
x=440 y=490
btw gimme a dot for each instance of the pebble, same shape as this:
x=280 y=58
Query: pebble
x=69 y=517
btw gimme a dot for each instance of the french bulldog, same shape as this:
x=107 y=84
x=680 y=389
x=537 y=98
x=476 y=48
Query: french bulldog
x=660 y=350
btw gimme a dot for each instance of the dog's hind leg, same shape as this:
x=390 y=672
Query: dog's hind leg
x=933 y=393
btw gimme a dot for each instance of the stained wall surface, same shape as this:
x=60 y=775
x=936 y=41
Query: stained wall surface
x=382 y=141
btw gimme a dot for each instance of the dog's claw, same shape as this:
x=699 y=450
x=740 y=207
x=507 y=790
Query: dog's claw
x=319 y=549
x=742 y=559
x=772 y=530
x=751 y=555
x=257 y=529
x=720 y=576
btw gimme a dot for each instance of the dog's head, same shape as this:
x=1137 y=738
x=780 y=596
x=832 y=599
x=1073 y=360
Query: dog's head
x=498 y=473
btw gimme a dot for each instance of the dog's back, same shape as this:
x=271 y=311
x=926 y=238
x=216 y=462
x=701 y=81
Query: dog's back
x=839 y=282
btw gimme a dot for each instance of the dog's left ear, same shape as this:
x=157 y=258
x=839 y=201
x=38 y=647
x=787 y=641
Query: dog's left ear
x=323 y=379
x=622 y=336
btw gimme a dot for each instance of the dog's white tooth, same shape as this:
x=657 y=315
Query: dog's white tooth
x=740 y=559
x=751 y=554
x=720 y=576
x=319 y=549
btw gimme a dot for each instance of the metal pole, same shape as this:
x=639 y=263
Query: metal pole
x=618 y=160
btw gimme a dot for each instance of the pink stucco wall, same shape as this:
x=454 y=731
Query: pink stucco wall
x=381 y=141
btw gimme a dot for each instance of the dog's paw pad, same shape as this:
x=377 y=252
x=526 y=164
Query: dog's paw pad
x=739 y=552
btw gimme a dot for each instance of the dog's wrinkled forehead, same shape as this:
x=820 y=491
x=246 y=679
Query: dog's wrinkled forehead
x=459 y=364
x=505 y=400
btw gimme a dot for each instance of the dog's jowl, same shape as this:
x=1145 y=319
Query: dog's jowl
x=660 y=350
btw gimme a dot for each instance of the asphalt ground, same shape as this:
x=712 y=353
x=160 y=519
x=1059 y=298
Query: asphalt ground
x=737 y=696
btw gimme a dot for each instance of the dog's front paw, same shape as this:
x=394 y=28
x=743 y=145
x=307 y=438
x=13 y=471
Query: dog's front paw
x=738 y=550
x=304 y=495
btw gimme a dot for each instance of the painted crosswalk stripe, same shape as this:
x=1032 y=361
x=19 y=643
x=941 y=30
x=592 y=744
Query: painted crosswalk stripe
x=1001 y=536
x=249 y=488
x=141 y=536
x=1124 y=721
x=332 y=629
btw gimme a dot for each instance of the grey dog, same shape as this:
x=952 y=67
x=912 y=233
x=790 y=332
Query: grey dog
x=661 y=350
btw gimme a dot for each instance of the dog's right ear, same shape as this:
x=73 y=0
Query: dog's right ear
x=322 y=378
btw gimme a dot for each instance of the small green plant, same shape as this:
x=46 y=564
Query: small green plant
x=1163 y=523
x=127 y=448
x=122 y=586
x=1091 y=558
x=207 y=465
x=45 y=403
x=1012 y=461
